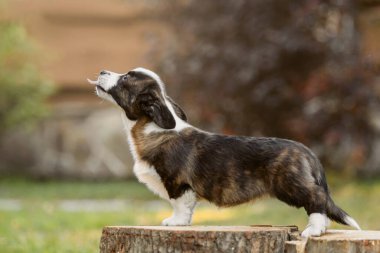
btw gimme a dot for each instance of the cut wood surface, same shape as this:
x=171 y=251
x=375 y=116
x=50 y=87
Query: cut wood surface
x=263 y=239
x=194 y=239
x=347 y=241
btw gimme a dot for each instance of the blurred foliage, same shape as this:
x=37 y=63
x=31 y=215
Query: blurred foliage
x=22 y=89
x=289 y=69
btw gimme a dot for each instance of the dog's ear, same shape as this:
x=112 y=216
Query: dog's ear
x=178 y=110
x=154 y=107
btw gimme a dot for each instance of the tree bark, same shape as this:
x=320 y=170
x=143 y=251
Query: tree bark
x=198 y=239
x=345 y=241
x=263 y=239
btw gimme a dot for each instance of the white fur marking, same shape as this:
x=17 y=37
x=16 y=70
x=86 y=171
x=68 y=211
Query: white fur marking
x=183 y=208
x=316 y=226
x=105 y=96
x=179 y=123
x=350 y=221
x=109 y=80
x=144 y=172
x=147 y=174
x=106 y=81
x=128 y=125
x=153 y=76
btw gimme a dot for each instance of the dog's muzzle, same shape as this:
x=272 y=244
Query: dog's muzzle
x=102 y=80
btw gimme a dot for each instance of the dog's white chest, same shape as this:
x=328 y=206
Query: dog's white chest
x=148 y=175
x=144 y=172
x=128 y=125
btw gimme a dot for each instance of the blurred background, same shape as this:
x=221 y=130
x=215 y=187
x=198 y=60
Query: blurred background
x=303 y=70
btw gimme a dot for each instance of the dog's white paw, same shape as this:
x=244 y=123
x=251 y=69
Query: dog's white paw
x=317 y=225
x=176 y=221
x=313 y=231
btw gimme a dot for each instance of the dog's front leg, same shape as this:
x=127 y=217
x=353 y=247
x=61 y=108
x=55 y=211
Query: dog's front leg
x=148 y=175
x=183 y=208
x=183 y=205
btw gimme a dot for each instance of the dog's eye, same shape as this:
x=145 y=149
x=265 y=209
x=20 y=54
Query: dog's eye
x=125 y=77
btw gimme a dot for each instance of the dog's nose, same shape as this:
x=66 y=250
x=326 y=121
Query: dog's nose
x=103 y=72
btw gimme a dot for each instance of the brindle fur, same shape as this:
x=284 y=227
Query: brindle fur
x=255 y=167
x=225 y=170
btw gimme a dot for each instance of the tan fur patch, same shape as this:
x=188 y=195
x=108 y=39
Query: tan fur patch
x=146 y=143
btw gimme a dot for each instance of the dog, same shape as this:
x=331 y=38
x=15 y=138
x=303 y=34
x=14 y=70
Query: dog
x=183 y=164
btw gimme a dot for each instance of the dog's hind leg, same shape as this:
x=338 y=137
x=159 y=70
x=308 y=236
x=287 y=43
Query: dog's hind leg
x=317 y=225
x=316 y=209
x=310 y=196
x=183 y=208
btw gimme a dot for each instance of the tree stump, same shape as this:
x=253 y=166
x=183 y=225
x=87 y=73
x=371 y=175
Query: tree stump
x=264 y=239
x=343 y=241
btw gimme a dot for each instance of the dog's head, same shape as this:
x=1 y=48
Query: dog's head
x=140 y=93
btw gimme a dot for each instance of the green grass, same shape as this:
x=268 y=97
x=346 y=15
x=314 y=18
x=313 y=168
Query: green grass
x=41 y=225
x=24 y=189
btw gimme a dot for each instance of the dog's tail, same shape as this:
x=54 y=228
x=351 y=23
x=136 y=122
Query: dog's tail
x=337 y=214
